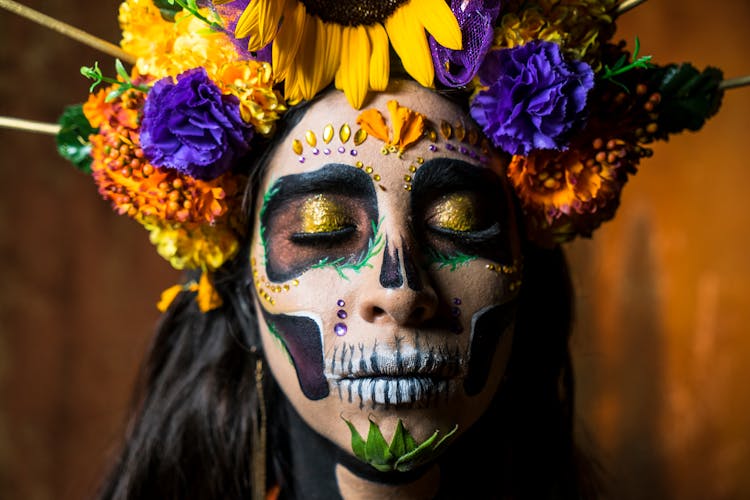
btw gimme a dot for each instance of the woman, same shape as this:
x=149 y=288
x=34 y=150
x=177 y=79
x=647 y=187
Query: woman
x=389 y=335
x=388 y=313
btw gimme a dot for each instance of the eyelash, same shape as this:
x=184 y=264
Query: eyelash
x=478 y=236
x=325 y=237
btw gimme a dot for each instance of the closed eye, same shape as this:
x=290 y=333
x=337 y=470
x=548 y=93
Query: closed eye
x=475 y=236
x=323 y=237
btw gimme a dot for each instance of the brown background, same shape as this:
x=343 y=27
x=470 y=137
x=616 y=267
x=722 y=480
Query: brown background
x=662 y=339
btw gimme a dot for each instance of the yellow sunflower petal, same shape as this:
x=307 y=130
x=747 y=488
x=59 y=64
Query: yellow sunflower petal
x=307 y=58
x=332 y=56
x=438 y=20
x=410 y=43
x=353 y=74
x=380 y=61
x=260 y=22
x=287 y=41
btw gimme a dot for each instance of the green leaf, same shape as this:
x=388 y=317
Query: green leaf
x=376 y=448
x=121 y=71
x=73 y=138
x=168 y=9
x=358 y=444
x=688 y=97
x=399 y=445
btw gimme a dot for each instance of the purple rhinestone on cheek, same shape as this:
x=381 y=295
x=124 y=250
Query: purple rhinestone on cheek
x=340 y=303
x=341 y=314
x=339 y=329
x=353 y=152
x=457 y=301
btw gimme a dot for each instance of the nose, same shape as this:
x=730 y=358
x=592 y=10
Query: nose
x=391 y=298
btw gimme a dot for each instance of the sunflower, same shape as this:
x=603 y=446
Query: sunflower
x=319 y=41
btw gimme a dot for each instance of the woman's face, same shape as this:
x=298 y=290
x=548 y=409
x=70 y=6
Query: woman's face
x=386 y=280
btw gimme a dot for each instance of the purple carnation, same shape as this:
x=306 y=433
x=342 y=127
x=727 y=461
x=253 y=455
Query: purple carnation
x=534 y=98
x=192 y=127
x=476 y=18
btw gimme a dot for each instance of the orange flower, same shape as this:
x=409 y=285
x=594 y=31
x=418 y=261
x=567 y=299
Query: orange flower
x=407 y=126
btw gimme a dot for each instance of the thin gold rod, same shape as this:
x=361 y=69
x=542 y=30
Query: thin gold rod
x=18 y=124
x=67 y=30
x=734 y=83
x=627 y=5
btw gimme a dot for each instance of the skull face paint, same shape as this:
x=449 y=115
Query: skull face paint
x=343 y=228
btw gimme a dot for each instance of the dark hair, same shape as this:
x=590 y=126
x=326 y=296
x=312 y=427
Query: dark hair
x=196 y=423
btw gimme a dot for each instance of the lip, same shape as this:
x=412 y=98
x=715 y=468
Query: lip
x=406 y=391
x=402 y=377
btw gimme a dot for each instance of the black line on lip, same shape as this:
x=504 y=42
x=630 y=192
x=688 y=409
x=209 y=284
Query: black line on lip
x=374 y=357
x=333 y=359
x=361 y=396
x=343 y=357
x=351 y=358
x=399 y=360
x=362 y=364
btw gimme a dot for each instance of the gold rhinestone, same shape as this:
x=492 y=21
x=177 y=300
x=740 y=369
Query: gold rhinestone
x=295 y=282
x=345 y=132
x=473 y=136
x=491 y=267
x=412 y=168
x=376 y=177
x=431 y=134
x=310 y=138
x=359 y=164
x=460 y=131
x=328 y=133
x=407 y=187
x=297 y=146
x=420 y=160
x=286 y=288
x=368 y=170
x=359 y=136
x=446 y=130
x=407 y=178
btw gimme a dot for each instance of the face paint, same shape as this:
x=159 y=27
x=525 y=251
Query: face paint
x=393 y=332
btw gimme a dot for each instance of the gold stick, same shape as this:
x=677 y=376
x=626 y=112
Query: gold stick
x=67 y=30
x=733 y=83
x=626 y=5
x=18 y=124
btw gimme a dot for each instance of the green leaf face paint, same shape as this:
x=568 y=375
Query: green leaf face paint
x=402 y=454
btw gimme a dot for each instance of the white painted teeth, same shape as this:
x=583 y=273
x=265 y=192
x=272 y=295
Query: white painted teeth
x=390 y=391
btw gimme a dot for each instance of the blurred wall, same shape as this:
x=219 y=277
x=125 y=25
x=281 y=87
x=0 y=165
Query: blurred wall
x=663 y=291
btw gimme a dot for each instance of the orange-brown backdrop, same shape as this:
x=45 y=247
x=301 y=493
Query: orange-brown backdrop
x=661 y=342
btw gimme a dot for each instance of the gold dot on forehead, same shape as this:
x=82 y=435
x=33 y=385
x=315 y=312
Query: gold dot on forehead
x=359 y=136
x=328 y=133
x=345 y=132
x=297 y=146
x=368 y=169
x=359 y=164
x=446 y=130
x=310 y=138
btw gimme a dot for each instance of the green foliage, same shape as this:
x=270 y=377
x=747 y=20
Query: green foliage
x=688 y=96
x=167 y=9
x=402 y=454
x=73 y=138
x=121 y=86
x=623 y=66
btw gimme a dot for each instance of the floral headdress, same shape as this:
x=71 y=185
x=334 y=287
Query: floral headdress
x=572 y=109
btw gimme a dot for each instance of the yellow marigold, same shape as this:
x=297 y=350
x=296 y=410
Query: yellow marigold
x=166 y=48
x=192 y=246
x=252 y=83
x=578 y=26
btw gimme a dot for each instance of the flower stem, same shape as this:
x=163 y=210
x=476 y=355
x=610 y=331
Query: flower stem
x=627 y=5
x=28 y=125
x=734 y=83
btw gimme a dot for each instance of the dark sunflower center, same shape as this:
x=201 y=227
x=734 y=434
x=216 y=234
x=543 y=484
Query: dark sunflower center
x=352 y=12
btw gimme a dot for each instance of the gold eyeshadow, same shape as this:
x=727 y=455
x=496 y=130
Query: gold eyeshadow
x=320 y=214
x=455 y=212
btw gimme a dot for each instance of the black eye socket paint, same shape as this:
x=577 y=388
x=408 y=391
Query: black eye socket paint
x=290 y=252
x=487 y=327
x=442 y=176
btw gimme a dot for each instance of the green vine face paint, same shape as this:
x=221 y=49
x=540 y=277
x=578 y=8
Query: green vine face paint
x=385 y=259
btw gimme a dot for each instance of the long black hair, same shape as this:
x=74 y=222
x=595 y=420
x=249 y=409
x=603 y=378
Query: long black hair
x=202 y=400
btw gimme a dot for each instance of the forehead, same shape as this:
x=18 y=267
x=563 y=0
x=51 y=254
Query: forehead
x=328 y=132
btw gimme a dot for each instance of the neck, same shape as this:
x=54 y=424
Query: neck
x=317 y=469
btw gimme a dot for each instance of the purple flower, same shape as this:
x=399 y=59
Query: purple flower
x=192 y=127
x=534 y=98
x=476 y=18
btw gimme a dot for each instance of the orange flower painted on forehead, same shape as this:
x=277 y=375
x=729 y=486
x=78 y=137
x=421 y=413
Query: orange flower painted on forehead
x=407 y=126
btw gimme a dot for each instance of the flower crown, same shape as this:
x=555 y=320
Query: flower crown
x=574 y=111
